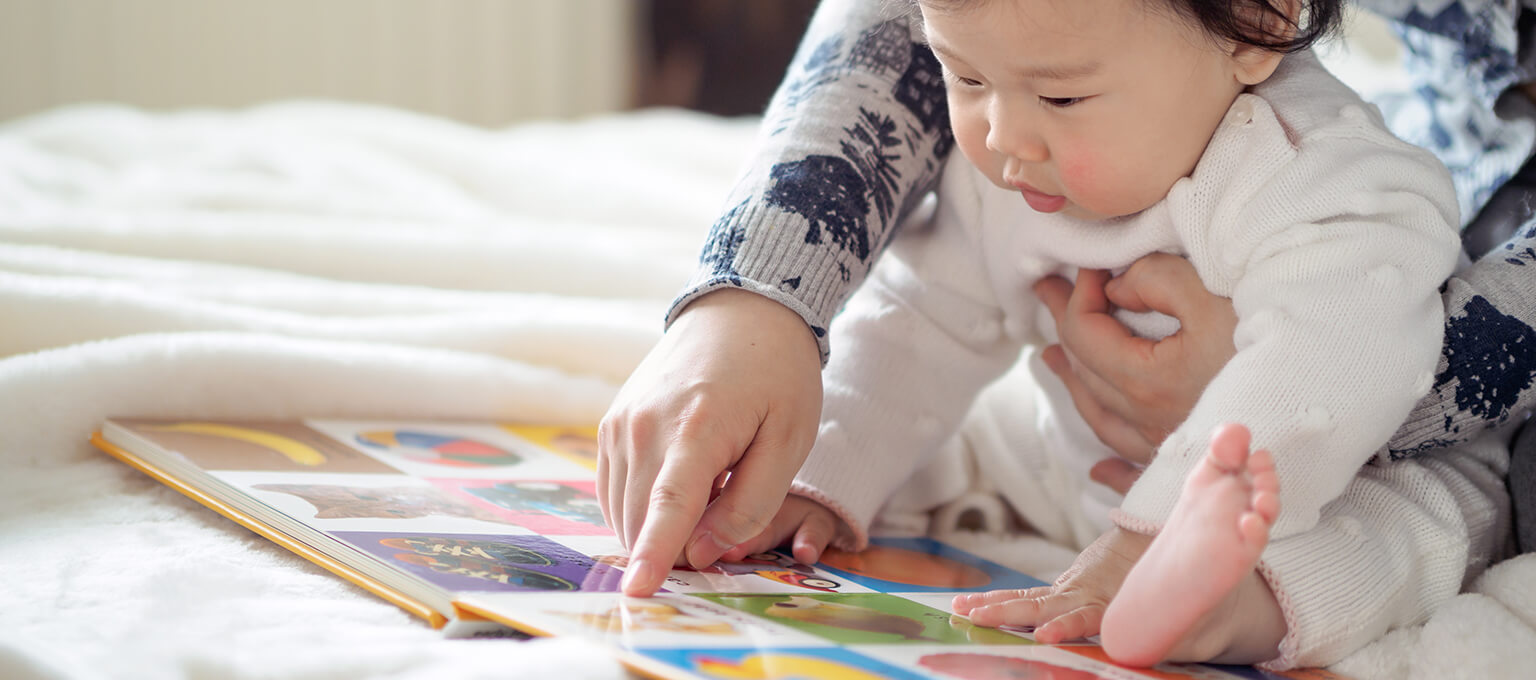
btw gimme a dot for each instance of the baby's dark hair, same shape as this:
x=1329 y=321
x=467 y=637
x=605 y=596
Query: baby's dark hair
x=1264 y=23
x=1258 y=23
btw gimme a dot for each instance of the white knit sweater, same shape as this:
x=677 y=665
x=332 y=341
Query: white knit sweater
x=1330 y=236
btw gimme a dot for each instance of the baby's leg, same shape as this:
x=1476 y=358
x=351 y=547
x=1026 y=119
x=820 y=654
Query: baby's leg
x=1195 y=595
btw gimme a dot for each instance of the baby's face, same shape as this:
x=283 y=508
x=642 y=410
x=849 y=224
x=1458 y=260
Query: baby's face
x=1089 y=108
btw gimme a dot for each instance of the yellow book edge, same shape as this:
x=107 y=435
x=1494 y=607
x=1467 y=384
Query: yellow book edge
x=433 y=617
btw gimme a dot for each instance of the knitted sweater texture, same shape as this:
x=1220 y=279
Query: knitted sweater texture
x=858 y=132
x=1330 y=235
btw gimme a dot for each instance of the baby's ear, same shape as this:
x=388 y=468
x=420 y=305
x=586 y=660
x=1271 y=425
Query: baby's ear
x=1253 y=65
x=1272 y=21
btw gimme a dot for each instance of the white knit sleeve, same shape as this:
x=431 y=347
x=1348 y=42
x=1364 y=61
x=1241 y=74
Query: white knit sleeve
x=918 y=341
x=1333 y=263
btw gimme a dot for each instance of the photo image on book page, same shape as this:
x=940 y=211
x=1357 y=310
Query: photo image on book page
x=574 y=443
x=866 y=618
x=253 y=445
x=765 y=572
x=471 y=562
x=371 y=502
x=788 y=662
x=1039 y=661
x=550 y=507
x=915 y=565
x=668 y=620
x=456 y=450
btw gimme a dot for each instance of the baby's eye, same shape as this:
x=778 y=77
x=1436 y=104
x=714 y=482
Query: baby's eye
x=1060 y=102
x=961 y=80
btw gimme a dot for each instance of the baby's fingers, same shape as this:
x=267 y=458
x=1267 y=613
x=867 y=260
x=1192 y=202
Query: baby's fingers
x=812 y=538
x=964 y=604
x=1073 y=625
x=1025 y=611
x=790 y=519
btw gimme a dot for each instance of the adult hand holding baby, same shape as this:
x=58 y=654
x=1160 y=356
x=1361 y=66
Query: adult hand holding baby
x=1133 y=391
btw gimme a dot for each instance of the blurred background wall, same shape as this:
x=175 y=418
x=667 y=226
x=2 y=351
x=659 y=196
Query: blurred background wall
x=486 y=62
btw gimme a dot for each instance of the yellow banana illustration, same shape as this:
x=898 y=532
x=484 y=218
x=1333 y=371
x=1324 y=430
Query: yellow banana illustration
x=293 y=449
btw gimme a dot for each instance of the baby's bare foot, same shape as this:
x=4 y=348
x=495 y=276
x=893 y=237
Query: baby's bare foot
x=1211 y=543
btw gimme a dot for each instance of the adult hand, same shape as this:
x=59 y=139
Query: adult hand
x=1133 y=391
x=699 y=447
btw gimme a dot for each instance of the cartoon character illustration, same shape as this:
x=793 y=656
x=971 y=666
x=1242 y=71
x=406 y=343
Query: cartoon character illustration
x=847 y=616
x=973 y=666
x=766 y=665
x=549 y=498
x=910 y=567
x=455 y=547
x=504 y=574
x=582 y=446
x=485 y=560
x=632 y=616
x=802 y=580
x=436 y=449
x=404 y=502
x=290 y=448
x=575 y=444
x=789 y=572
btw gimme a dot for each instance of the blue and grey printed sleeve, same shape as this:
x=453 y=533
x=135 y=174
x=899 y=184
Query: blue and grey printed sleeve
x=854 y=138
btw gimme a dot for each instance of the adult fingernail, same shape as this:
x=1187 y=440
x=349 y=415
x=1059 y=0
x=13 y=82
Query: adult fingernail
x=637 y=577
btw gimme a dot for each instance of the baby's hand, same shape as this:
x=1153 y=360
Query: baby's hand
x=1072 y=608
x=811 y=525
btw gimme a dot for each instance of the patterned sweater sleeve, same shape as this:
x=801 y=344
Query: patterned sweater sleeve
x=853 y=139
x=1487 y=369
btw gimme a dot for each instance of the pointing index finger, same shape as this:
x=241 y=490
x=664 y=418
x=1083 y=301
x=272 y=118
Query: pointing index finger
x=676 y=503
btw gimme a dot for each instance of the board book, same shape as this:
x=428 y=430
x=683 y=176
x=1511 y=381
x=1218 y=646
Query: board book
x=470 y=525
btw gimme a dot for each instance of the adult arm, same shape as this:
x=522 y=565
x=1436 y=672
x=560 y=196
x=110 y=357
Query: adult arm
x=855 y=135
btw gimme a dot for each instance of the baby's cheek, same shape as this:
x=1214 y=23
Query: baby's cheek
x=1108 y=189
x=1079 y=175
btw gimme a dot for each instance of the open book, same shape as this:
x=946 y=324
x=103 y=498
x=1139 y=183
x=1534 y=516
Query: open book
x=470 y=525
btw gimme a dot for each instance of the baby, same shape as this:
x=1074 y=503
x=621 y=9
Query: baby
x=1097 y=132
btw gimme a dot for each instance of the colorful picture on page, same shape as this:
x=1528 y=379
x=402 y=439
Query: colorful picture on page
x=865 y=618
x=976 y=666
x=471 y=562
x=1169 y=671
x=332 y=501
x=800 y=663
x=255 y=446
x=432 y=448
x=453 y=450
x=554 y=508
x=577 y=444
x=766 y=572
x=666 y=620
x=915 y=565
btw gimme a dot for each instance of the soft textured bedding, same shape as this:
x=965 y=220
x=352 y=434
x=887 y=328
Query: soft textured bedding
x=316 y=259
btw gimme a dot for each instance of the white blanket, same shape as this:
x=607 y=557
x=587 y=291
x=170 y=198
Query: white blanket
x=316 y=259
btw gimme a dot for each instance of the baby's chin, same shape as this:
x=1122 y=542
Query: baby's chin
x=1078 y=211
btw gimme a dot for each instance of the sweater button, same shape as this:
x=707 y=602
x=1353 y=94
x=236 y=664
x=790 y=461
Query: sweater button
x=1241 y=113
